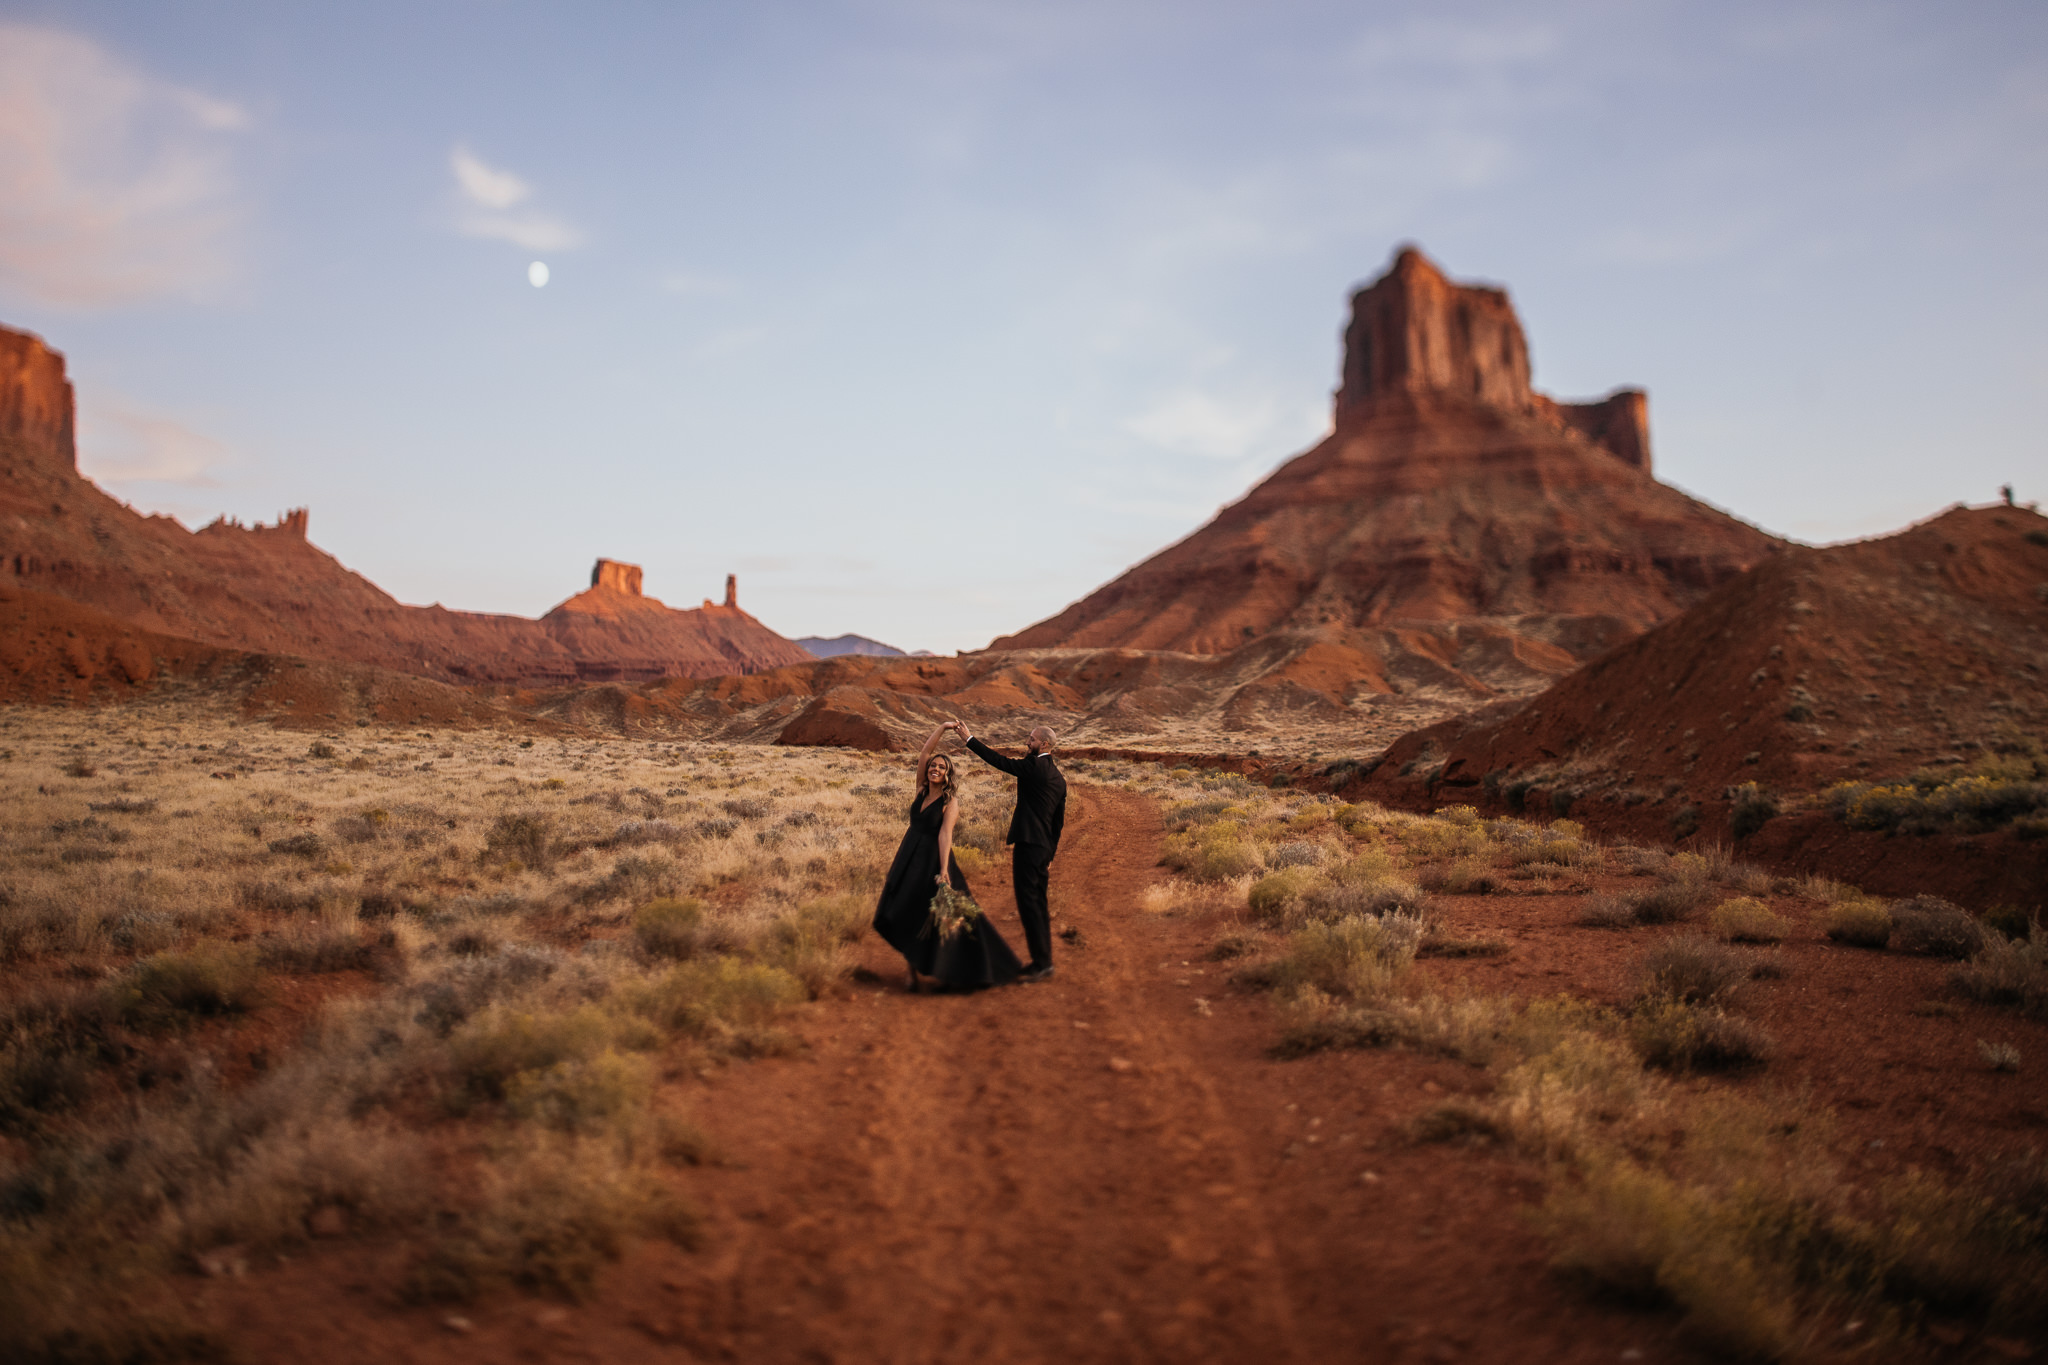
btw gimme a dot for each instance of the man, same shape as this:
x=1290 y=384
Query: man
x=1034 y=837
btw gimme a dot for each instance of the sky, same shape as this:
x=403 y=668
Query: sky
x=928 y=318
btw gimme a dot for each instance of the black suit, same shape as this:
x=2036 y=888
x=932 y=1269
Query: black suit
x=1035 y=836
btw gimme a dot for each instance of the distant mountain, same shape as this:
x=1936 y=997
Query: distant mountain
x=822 y=648
x=268 y=589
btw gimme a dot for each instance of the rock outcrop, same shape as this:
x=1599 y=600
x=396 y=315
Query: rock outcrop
x=1457 y=529
x=36 y=409
x=268 y=589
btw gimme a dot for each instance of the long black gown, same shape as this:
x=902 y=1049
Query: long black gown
x=974 y=957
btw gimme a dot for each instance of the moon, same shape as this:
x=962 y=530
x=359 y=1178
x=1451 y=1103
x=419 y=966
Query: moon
x=537 y=274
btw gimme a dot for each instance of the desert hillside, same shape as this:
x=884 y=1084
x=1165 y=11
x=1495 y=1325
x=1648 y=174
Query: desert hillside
x=1915 y=663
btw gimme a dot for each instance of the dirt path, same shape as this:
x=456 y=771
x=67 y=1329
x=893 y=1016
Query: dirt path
x=1106 y=1167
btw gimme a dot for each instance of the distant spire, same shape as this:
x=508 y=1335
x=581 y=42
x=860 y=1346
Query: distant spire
x=732 y=590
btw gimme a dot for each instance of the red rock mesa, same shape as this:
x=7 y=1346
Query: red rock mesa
x=269 y=589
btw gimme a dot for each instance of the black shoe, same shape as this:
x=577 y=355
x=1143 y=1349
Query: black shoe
x=1031 y=976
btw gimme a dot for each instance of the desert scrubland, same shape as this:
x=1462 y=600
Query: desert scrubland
x=440 y=1040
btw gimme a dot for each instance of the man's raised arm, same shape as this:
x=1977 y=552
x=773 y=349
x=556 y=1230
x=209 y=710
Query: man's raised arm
x=1013 y=766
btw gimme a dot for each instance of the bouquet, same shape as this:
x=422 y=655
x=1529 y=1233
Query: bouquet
x=952 y=911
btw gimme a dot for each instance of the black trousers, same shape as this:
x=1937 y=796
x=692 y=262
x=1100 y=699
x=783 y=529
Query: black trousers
x=1030 y=871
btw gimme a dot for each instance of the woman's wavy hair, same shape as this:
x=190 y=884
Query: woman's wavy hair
x=924 y=779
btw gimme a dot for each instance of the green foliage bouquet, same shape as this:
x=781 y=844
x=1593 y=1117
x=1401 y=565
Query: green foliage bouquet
x=952 y=911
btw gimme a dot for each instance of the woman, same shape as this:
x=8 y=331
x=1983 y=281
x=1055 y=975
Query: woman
x=974 y=956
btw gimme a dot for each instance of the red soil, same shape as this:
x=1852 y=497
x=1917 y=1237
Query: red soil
x=1110 y=1167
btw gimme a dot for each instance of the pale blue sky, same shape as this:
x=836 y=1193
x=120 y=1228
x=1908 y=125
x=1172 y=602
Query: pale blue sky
x=928 y=318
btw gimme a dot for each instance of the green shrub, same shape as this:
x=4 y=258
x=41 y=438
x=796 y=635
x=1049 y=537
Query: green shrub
x=810 y=941
x=722 y=1000
x=1681 y=1037
x=1932 y=927
x=2011 y=921
x=1646 y=1238
x=1690 y=969
x=671 y=928
x=1212 y=853
x=1605 y=911
x=1273 y=893
x=1859 y=921
x=1751 y=807
x=1463 y=877
x=548 y=1220
x=44 y=1071
x=501 y=1043
x=1969 y=805
x=171 y=989
x=2013 y=973
x=1744 y=920
x=1670 y=901
x=524 y=837
x=1356 y=958
x=582 y=1094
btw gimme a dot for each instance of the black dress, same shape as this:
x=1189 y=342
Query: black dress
x=974 y=957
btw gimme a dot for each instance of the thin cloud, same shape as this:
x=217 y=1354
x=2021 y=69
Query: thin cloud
x=115 y=187
x=1195 y=422
x=492 y=209
x=119 y=445
x=681 y=282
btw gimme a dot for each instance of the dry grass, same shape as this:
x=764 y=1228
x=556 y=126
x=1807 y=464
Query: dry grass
x=524 y=934
x=1666 y=1185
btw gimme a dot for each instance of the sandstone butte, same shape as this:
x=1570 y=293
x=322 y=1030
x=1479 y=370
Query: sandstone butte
x=268 y=589
x=1456 y=527
x=1923 y=650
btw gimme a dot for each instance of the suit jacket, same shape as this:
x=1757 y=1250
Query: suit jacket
x=1041 y=795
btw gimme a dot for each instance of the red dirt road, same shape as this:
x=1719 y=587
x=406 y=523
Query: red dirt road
x=1106 y=1167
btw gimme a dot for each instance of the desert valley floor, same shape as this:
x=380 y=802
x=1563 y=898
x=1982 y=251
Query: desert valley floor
x=478 y=1045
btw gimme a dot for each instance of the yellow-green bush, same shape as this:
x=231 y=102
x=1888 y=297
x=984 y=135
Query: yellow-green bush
x=1357 y=958
x=500 y=1043
x=170 y=989
x=721 y=1000
x=548 y=1219
x=1212 y=853
x=582 y=1094
x=671 y=927
x=1682 y=1037
x=1644 y=1236
x=810 y=942
x=1860 y=921
x=1310 y=818
x=1746 y=920
x=1273 y=893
